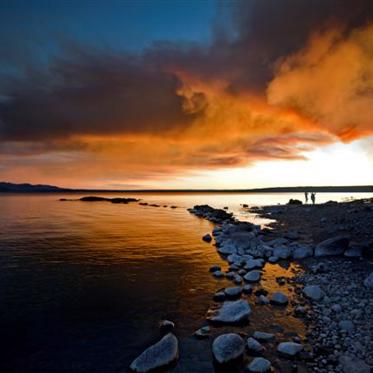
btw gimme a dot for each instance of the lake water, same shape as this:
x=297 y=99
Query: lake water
x=84 y=285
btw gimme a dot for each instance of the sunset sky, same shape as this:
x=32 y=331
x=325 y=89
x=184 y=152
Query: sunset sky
x=186 y=94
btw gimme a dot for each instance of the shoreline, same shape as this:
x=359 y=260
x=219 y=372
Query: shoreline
x=335 y=256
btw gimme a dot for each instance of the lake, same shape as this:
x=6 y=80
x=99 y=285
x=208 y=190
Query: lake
x=83 y=285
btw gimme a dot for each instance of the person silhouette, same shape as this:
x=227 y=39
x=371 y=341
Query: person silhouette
x=313 y=198
x=306 y=196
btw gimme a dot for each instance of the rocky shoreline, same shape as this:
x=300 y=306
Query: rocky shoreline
x=333 y=295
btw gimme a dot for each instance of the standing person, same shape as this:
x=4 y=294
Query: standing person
x=306 y=196
x=313 y=198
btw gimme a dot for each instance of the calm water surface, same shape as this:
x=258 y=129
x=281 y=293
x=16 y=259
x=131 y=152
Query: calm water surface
x=84 y=285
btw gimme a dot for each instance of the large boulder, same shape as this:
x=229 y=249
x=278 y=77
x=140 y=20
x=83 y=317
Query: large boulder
x=313 y=292
x=368 y=282
x=259 y=365
x=289 y=349
x=158 y=355
x=232 y=312
x=228 y=347
x=332 y=246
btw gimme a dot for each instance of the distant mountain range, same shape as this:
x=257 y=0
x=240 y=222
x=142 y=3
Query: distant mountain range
x=6 y=187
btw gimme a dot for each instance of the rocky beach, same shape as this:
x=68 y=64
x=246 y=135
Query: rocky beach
x=325 y=253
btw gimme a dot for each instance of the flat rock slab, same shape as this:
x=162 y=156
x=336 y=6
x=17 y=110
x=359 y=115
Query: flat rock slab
x=232 y=312
x=158 y=355
x=228 y=347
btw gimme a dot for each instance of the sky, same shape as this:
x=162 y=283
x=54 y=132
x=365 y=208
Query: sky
x=136 y=94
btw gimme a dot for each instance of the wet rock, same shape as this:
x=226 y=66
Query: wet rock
x=289 y=349
x=158 y=355
x=332 y=246
x=218 y=274
x=207 y=237
x=354 y=251
x=351 y=364
x=203 y=332
x=254 y=346
x=259 y=365
x=233 y=292
x=166 y=325
x=237 y=279
x=262 y=299
x=232 y=312
x=263 y=336
x=247 y=289
x=273 y=259
x=279 y=299
x=368 y=282
x=253 y=264
x=215 y=268
x=303 y=251
x=313 y=292
x=228 y=347
x=252 y=276
x=282 y=252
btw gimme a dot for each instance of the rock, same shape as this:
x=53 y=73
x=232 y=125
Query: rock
x=253 y=263
x=247 y=289
x=166 y=325
x=273 y=259
x=336 y=308
x=207 y=237
x=282 y=252
x=259 y=365
x=227 y=248
x=219 y=296
x=346 y=325
x=300 y=311
x=368 y=282
x=354 y=251
x=218 y=274
x=252 y=276
x=158 y=355
x=332 y=246
x=232 y=312
x=263 y=336
x=237 y=279
x=215 y=268
x=233 y=292
x=228 y=347
x=203 y=332
x=279 y=299
x=289 y=349
x=313 y=292
x=351 y=364
x=262 y=299
x=254 y=346
x=303 y=251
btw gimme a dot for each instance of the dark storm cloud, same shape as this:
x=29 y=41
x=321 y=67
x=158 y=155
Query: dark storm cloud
x=99 y=93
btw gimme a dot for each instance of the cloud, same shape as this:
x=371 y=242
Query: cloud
x=330 y=81
x=278 y=80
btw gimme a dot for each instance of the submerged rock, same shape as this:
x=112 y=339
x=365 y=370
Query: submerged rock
x=332 y=246
x=207 y=237
x=158 y=355
x=313 y=292
x=232 y=312
x=259 y=365
x=289 y=349
x=227 y=347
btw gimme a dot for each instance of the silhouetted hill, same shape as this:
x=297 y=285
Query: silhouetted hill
x=28 y=188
